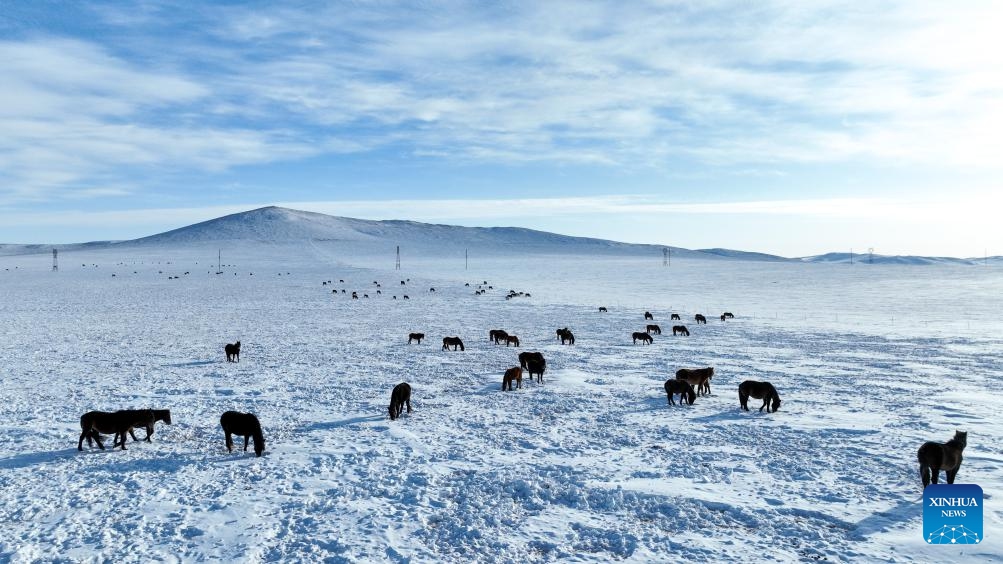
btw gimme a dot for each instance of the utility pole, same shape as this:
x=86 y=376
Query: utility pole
x=870 y=255
x=466 y=259
x=851 y=255
x=666 y=256
x=55 y=260
x=398 y=265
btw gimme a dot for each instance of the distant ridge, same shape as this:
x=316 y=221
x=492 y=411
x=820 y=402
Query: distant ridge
x=277 y=225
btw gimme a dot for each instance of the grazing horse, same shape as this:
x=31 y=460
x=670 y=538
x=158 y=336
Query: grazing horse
x=643 y=337
x=934 y=457
x=452 y=342
x=700 y=319
x=245 y=425
x=117 y=423
x=759 y=390
x=525 y=357
x=566 y=336
x=415 y=337
x=602 y=309
x=400 y=395
x=232 y=352
x=497 y=335
x=675 y=317
x=512 y=374
x=654 y=329
x=680 y=330
x=536 y=366
x=647 y=315
x=727 y=315
x=681 y=387
x=511 y=340
x=697 y=377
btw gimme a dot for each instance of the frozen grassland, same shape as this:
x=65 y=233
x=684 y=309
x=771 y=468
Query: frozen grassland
x=592 y=465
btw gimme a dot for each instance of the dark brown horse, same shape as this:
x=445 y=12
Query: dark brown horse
x=415 y=337
x=643 y=337
x=536 y=366
x=602 y=309
x=681 y=387
x=452 y=342
x=511 y=340
x=697 y=377
x=244 y=425
x=497 y=335
x=654 y=329
x=566 y=336
x=700 y=319
x=680 y=330
x=118 y=423
x=675 y=317
x=647 y=315
x=727 y=315
x=759 y=390
x=158 y=415
x=232 y=352
x=400 y=395
x=934 y=457
x=513 y=374
x=525 y=357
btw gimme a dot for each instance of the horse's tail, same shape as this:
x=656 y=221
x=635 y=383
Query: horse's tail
x=924 y=466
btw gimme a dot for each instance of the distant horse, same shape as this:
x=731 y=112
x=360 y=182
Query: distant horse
x=566 y=336
x=723 y=317
x=680 y=330
x=118 y=423
x=525 y=357
x=697 y=377
x=245 y=425
x=232 y=352
x=654 y=329
x=602 y=309
x=431 y=289
x=511 y=340
x=452 y=342
x=355 y=295
x=415 y=337
x=513 y=374
x=934 y=457
x=497 y=335
x=406 y=298
x=727 y=315
x=536 y=366
x=643 y=337
x=647 y=315
x=681 y=387
x=759 y=390
x=675 y=316
x=700 y=319
x=400 y=395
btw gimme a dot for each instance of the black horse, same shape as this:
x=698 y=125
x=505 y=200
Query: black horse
x=759 y=390
x=680 y=330
x=700 y=319
x=232 y=352
x=647 y=315
x=643 y=337
x=525 y=357
x=654 y=329
x=934 y=457
x=566 y=336
x=602 y=309
x=415 y=337
x=158 y=415
x=400 y=395
x=245 y=425
x=675 y=316
x=118 y=423
x=452 y=342
x=536 y=366
x=681 y=387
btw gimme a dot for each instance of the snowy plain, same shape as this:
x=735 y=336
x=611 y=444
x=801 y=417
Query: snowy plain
x=590 y=466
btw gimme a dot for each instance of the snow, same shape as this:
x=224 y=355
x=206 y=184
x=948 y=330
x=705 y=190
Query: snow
x=590 y=466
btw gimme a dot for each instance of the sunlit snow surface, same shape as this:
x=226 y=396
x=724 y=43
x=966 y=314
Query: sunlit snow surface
x=592 y=465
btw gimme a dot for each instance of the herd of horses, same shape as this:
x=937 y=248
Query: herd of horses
x=689 y=383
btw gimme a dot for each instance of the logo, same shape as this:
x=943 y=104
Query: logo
x=952 y=514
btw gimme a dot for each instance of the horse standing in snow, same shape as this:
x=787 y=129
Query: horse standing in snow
x=400 y=395
x=232 y=352
x=934 y=457
x=513 y=374
x=681 y=387
x=245 y=425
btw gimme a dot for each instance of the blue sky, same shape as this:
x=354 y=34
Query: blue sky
x=778 y=126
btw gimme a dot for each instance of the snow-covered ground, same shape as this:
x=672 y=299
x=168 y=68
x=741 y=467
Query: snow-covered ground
x=592 y=465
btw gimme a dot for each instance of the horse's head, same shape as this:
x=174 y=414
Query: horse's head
x=961 y=437
x=691 y=395
x=776 y=402
x=392 y=414
x=259 y=446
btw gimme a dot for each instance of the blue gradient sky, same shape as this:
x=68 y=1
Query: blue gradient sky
x=787 y=127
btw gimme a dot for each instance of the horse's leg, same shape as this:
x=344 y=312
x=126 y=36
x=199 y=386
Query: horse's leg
x=80 y=443
x=229 y=441
x=247 y=439
x=133 y=434
x=149 y=432
x=122 y=435
x=935 y=474
x=951 y=474
x=408 y=401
